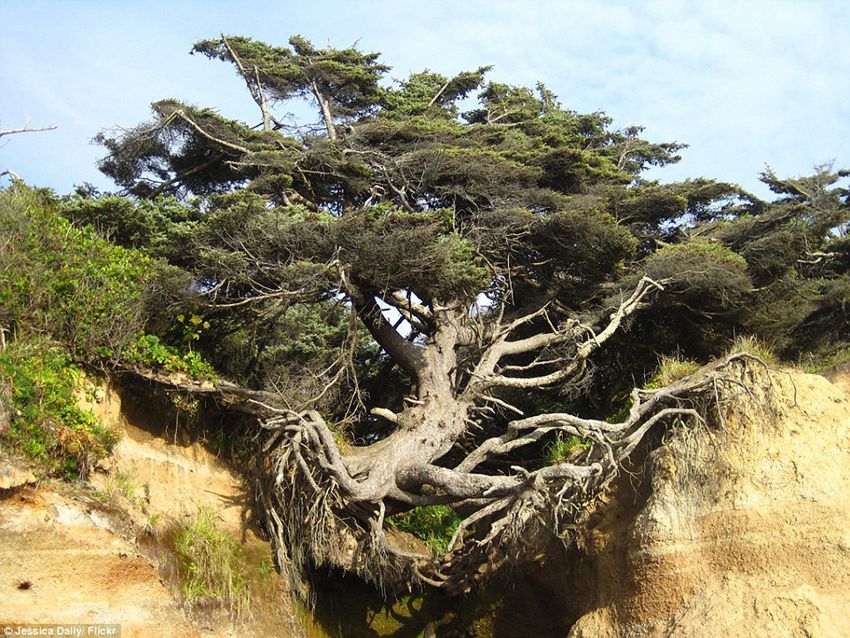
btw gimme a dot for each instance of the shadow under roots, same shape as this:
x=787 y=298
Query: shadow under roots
x=348 y=607
x=527 y=601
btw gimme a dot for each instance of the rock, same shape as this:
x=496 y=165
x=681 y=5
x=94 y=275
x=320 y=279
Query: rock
x=69 y=515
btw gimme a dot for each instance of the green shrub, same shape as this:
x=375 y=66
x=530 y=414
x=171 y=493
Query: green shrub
x=159 y=226
x=434 y=524
x=700 y=274
x=67 y=296
x=211 y=565
x=150 y=351
x=67 y=282
x=47 y=424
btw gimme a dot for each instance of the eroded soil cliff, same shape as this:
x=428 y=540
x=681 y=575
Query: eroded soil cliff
x=734 y=531
x=100 y=554
x=740 y=531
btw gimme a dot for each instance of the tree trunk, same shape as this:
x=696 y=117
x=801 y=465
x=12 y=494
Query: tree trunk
x=427 y=429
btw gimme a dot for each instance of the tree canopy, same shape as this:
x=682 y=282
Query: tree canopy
x=481 y=280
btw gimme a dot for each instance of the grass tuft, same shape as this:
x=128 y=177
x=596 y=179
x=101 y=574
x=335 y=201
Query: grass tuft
x=819 y=363
x=211 y=565
x=562 y=446
x=671 y=369
x=753 y=345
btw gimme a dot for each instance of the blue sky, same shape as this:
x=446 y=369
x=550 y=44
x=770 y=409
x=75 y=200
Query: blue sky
x=745 y=83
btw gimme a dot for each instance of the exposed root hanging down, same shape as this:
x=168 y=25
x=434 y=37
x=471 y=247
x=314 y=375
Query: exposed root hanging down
x=326 y=508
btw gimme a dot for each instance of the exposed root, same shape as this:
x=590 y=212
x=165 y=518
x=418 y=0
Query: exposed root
x=320 y=514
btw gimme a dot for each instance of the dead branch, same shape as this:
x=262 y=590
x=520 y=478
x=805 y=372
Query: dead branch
x=26 y=129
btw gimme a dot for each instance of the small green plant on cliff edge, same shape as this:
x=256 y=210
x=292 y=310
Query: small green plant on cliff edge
x=671 y=369
x=754 y=346
x=47 y=425
x=211 y=565
x=150 y=351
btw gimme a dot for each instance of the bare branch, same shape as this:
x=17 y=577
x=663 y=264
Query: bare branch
x=485 y=373
x=325 y=107
x=236 y=147
x=26 y=129
x=408 y=355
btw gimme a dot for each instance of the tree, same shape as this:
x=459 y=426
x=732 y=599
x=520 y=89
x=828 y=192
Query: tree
x=492 y=256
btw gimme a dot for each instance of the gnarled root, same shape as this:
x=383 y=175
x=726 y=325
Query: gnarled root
x=321 y=514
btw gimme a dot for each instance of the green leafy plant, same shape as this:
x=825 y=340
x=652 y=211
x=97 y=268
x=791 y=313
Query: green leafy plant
x=65 y=281
x=149 y=350
x=434 y=524
x=265 y=567
x=48 y=426
x=193 y=327
x=211 y=564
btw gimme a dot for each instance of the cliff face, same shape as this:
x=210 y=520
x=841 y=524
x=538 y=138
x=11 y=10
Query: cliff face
x=739 y=532
x=71 y=553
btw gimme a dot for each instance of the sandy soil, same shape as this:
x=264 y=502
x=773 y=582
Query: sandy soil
x=740 y=533
x=78 y=554
x=61 y=562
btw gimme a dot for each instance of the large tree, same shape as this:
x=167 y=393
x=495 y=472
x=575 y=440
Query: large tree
x=489 y=258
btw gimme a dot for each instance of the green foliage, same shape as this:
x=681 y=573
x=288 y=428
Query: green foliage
x=754 y=346
x=67 y=296
x=48 y=426
x=701 y=274
x=518 y=198
x=159 y=227
x=561 y=447
x=65 y=281
x=192 y=327
x=671 y=369
x=289 y=350
x=347 y=76
x=431 y=92
x=211 y=565
x=434 y=524
x=148 y=350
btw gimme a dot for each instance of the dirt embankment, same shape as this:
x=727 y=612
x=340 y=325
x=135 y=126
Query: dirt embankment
x=99 y=554
x=739 y=532
x=736 y=532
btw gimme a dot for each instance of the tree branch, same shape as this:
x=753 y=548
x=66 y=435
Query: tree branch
x=26 y=129
x=324 y=105
x=179 y=113
x=408 y=355
x=485 y=372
